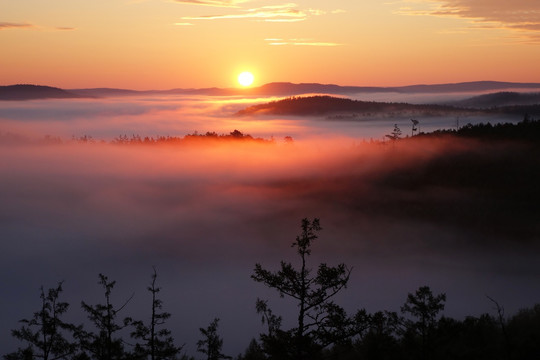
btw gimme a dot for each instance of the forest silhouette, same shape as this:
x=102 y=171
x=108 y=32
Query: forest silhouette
x=323 y=330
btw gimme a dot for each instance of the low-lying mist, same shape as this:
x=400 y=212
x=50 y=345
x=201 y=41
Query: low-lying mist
x=457 y=215
x=402 y=215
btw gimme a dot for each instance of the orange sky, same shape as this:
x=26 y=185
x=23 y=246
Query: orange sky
x=162 y=44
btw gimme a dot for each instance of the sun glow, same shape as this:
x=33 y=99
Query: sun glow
x=246 y=78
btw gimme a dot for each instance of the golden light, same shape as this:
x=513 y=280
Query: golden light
x=246 y=78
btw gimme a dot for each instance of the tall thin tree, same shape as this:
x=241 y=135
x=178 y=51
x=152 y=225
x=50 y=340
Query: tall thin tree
x=156 y=343
x=105 y=344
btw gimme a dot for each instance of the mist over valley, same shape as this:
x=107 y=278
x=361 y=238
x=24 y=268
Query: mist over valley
x=456 y=213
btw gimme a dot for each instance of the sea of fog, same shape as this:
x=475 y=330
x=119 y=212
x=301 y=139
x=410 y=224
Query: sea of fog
x=204 y=215
x=104 y=119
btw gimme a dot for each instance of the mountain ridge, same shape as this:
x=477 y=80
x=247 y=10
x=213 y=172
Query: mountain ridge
x=499 y=99
x=28 y=92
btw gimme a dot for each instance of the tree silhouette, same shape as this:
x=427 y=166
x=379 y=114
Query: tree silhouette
x=45 y=332
x=424 y=307
x=395 y=134
x=320 y=321
x=157 y=344
x=104 y=345
x=211 y=343
x=414 y=126
x=502 y=324
x=254 y=351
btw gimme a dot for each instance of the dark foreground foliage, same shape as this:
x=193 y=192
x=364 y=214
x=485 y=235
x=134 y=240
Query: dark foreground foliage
x=527 y=130
x=323 y=331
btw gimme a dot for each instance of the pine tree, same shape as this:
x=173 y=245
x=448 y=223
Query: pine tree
x=157 y=344
x=424 y=307
x=45 y=333
x=105 y=344
x=320 y=321
x=212 y=343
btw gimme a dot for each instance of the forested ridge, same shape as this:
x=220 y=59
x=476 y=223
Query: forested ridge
x=340 y=107
x=330 y=105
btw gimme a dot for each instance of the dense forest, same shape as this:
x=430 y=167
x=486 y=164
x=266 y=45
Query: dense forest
x=323 y=330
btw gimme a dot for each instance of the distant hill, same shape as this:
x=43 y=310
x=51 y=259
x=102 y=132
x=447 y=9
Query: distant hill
x=285 y=88
x=26 y=92
x=329 y=105
x=473 y=86
x=104 y=92
x=499 y=99
x=30 y=92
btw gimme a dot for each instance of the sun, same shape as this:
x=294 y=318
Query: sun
x=246 y=78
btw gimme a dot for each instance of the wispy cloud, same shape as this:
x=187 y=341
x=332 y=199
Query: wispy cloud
x=274 y=13
x=522 y=16
x=299 y=42
x=216 y=3
x=10 y=25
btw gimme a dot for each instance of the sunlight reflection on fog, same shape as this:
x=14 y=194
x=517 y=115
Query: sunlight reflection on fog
x=205 y=214
x=178 y=116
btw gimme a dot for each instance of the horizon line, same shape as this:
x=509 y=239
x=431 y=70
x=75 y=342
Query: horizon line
x=283 y=83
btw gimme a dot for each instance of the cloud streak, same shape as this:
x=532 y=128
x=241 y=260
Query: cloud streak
x=521 y=15
x=300 y=42
x=215 y=3
x=274 y=13
x=277 y=13
x=10 y=25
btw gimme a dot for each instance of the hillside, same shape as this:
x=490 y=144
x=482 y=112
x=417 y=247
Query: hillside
x=289 y=89
x=328 y=105
x=30 y=92
x=499 y=99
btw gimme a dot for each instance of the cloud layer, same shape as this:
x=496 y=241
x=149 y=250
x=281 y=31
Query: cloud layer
x=522 y=16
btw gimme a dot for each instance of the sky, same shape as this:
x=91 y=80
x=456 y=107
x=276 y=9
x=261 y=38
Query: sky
x=163 y=44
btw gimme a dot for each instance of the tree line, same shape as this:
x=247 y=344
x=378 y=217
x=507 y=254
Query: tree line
x=322 y=330
x=235 y=136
